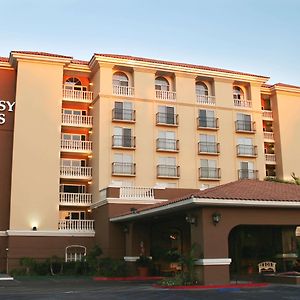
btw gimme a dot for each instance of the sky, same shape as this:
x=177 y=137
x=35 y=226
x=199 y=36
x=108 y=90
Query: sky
x=255 y=36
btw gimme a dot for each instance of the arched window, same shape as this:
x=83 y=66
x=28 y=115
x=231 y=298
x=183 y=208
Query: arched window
x=74 y=83
x=201 y=89
x=162 y=84
x=75 y=253
x=120 y=79
x=238 y=93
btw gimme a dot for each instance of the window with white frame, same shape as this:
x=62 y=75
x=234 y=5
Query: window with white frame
x=120 y=79
x=166 y=115
x=73 y=137
x=207 y=118
x=162 y=84
x=75 y=84
x=74 y=112
x=72 y=188
x=167 y=166
x=75 y=253
x=72 y=162
x=167 y=140
x=124 y=111
x=123 y=164
x=244 y=122
x=245 y=146
x=208 y=168
x=238 y=93
x=201 y=89
x=122 y=137
x=208 y=143
x=247 y=170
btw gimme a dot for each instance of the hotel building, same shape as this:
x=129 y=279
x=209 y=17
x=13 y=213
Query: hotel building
x=82 y=141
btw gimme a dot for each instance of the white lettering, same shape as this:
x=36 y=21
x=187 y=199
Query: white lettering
x=2 y=119
x=10 y=105
x=2 y=105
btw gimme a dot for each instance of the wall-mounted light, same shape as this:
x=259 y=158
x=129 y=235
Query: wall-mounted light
x=90 y=107
x=90 y=156
x=133 y=210
x=34 y=228
x=191 y=219
x=90 y=131
x=125 y=229
x=90 y=182
x=216 y=218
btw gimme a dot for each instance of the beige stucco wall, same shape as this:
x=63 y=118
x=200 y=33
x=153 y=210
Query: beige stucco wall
x=146 y=131
x=36 y=154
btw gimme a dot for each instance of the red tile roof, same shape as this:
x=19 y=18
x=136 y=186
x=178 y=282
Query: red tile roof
x=79 y=62
x=42 y=54
x=286 y=85
x=4 y=59
x=240 y=190
x=171 y=63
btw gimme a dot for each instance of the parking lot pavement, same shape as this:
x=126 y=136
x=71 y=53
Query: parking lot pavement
x=87 y=289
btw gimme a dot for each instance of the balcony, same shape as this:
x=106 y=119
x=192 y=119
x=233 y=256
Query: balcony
x=123 y=90
x=267 y=115
x=123 y=115
x=76 y=146
x=209 y=123
x=166 y=119
x=270 y=159
x=136 y=193
x=205 y=99
x=123 y=169
x=77 y=121
x=167 y=145
x=242 y=103
x=76 y=172
x=165 y=95
x=123 y=141
x=168 y=171
x=80 y=95
x=206 y=173
x=268 y=136
x=247 y=174
x=210 y=148
x=246 y=150
x=75 y=199
x=245 y=126
x=76 y=225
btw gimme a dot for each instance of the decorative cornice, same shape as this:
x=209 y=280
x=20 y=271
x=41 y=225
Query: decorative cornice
x=213 y=262
x=49 y=233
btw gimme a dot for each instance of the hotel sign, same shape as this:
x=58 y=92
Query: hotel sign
x=5 y=107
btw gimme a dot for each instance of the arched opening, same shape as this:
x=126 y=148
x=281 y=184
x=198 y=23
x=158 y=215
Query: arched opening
x=75 y=253
x=201 y=89
x=73 y=83
x=120 y=79
x=162 y=84
x=238 y=93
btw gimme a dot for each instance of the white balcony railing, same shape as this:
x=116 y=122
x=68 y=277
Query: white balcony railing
x=76 y=225
x=165 y=95
x=78 y=121
x=123 y=90
x=82 y=199
x=268 y=114
x=75 y=95
x=76 y=172
x=136 y=193
x=270 y=158
x=204 y=99
x=268 y=135
x=76 y=146
x=242 y=103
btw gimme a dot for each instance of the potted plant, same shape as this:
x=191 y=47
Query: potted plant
x=143 y=264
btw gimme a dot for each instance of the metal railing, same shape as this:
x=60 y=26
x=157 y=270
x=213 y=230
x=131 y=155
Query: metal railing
x=247 y=174
x=245 y=126
x=123 y=141
x=166 y=119
x=246 y=150
x=122 y=114
x=209 y=173
x=168 y=171
x=120 y=168
x=208 y=123
x=167 y=144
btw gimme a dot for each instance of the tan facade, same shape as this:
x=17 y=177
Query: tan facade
x=139 y=124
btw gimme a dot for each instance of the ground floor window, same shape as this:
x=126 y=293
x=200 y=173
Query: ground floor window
x=75 y=253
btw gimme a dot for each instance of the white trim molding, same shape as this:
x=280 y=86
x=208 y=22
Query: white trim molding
x=3 y=233
x=213 y=262
x=48 y=233
x=131 y=258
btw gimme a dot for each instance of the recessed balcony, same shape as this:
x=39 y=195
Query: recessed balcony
x=123 y=115
x=168 y=171
x=77 y=121
x=123 y=142
x=270 y=159
x=167 y=145
x=75 y=199
x=76 y=225
x=123 y=169
x=209 y=123
x=206 y=100
x=77 y=94
x=70 y=172
x=209 y=148
x=76 y=146
x=267 y=115
x=165 y=95
x=206 y=173
x=243 y=103
x=123 y=90
x=246 y=150
x=166 y=119
x=245 y=126
x=247 y=174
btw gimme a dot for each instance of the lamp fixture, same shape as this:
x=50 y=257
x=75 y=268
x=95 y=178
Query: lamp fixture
x=216 y=218
x=34 y=228
x=191 y=219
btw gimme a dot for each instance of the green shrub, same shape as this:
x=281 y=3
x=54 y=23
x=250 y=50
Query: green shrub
x=109 y=267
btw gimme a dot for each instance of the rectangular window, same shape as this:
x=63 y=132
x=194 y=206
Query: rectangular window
x=70 y=188
x=122 y=137
x=244 y=122
x=72 y=162
x=207 y=118
x=166 y=114
x=124 y=111
x=208 y=168
x=245 y=146
x=208 y=143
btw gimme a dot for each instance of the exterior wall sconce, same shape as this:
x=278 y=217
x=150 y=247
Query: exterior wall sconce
x=34 y=228
x=191 y=220
x=216 y=218
x=133 y=210
x=125 y=229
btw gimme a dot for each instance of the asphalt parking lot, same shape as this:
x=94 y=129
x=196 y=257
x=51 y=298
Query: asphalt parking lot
x=89 y=289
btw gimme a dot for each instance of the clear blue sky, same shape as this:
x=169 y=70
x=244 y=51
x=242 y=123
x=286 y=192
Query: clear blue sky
x=257 y=36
